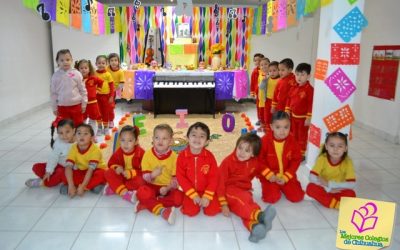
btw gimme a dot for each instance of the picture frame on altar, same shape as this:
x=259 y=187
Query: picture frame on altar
x=183 y=30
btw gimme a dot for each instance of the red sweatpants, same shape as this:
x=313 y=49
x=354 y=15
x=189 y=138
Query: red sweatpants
x=149 y=196
x=267 y=112
x=71 y=112
x=92 y=111
x=300 y=132
x=112 y=107
x=191 y=209
x=119 y=184
x=271 y=191
x=79 y=175
x=56 y=178
x=241 y=203
x=105 y=107
x=326 y=199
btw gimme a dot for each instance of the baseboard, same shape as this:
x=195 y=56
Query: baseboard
x=24 y=114
x=383 y=134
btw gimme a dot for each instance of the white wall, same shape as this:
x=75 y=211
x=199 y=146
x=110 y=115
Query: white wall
x=25 y=59
x=379 y=115
x=298 y=43
x=82 y=45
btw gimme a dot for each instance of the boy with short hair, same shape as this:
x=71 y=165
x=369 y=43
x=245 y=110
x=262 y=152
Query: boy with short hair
x=160 y=194
x=286 y=82
x=299 y=105
x=197 y=173
x=254 y=82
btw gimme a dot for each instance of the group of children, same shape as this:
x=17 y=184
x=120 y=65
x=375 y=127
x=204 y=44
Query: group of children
x=80 y=93
x=161 y=180
x=276 y=88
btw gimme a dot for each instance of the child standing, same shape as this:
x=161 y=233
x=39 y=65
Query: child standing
x=285 y=83
x=254 y=81
x=299 y=105
x=271 y=85
x=160 y=194
x=118 y=77
x=91 y=83
x=333 y=175
x=85 y=167
x=104 y=95
x=262 y=89
x=281 y=155
x=68 y=93
x=197 y=173
x=235 y=189
x=50 y=173
x=124 y=174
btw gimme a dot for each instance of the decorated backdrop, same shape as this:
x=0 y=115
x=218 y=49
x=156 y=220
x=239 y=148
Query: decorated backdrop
x=232 y=27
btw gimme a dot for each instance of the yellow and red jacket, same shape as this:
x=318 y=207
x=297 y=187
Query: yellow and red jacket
x=254 y=81
x=235 y=173
x=197 y=173
x=291 y=157
x=91 y=84
x=300 y=100
x=131 y=162
x=282 y=91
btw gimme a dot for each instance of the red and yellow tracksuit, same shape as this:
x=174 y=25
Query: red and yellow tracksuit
x=280 y=158
x=340 y=175
x=130 y=162
x=118 y=77
x=149 y=194
x=103 y=96
x=82 y=161
x=56 y=177
x=299 y=106
x=92 y=108
x=235 y=189
x=254 y=87
x=198 y=177
x=271 y=85
x=282 y=91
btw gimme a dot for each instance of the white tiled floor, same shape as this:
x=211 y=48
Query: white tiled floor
x=42 y=219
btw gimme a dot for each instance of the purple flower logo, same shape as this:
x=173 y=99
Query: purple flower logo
x=363 y=218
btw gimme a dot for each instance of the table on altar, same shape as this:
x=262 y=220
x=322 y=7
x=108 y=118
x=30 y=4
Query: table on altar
x=229 y=84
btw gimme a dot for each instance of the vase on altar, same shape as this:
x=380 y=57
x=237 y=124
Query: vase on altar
x=216 y=61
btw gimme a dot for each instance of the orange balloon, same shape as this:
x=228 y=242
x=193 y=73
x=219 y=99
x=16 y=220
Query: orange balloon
x=243 y=115
x=107 y=137
x=251 y=128
x=247 y=119
x=103 y=145
x=248 y=124
x=127 y=114
x=114 y=129
x=121 y=122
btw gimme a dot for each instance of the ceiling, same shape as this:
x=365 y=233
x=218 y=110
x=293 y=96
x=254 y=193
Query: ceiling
x=195 y=2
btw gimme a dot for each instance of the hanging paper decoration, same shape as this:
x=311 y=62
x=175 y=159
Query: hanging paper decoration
x=62 y=12
x=340 y=85
x=275 y=5
x=315 y=135
x=223 y=85
x=86 y=21
x=325 y=2
x=311 y=6
x=300 y=7
x=351 y=24
x=76 y=17
x=241 y=84
x=42 y=12
x=291 y=12
x=352 y=1
x=100 y=16
x=321 y=67
x=345 y=53
x=270 y=17
x=282 y=4
x=264 y=19
x=339 y=119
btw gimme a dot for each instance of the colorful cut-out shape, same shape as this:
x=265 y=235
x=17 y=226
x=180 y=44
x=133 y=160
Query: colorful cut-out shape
x=340 y=85
x=351 y=24
x=321 y=67
x=138 y=121
x=228 y=122
x=182 y=123
x=339 y=119
x=345 y=53
x=315 y=135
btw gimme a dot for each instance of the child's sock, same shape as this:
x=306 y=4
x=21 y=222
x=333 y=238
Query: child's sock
x=267 y=216
x=108 y=191
x=169 y=215
x=100 y=131
x=130 y=196
x=33 y=183
x=64 y=189
x=111 y=124
x=106 y=131
x=258 y=232
x=97 y=189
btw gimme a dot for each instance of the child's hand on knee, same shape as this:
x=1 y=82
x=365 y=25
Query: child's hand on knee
x=164 y=190
x=273 y=178
x=119 y=170
x=280 y=181
x=225 y=210
x=197 y=200
x=205 y=202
